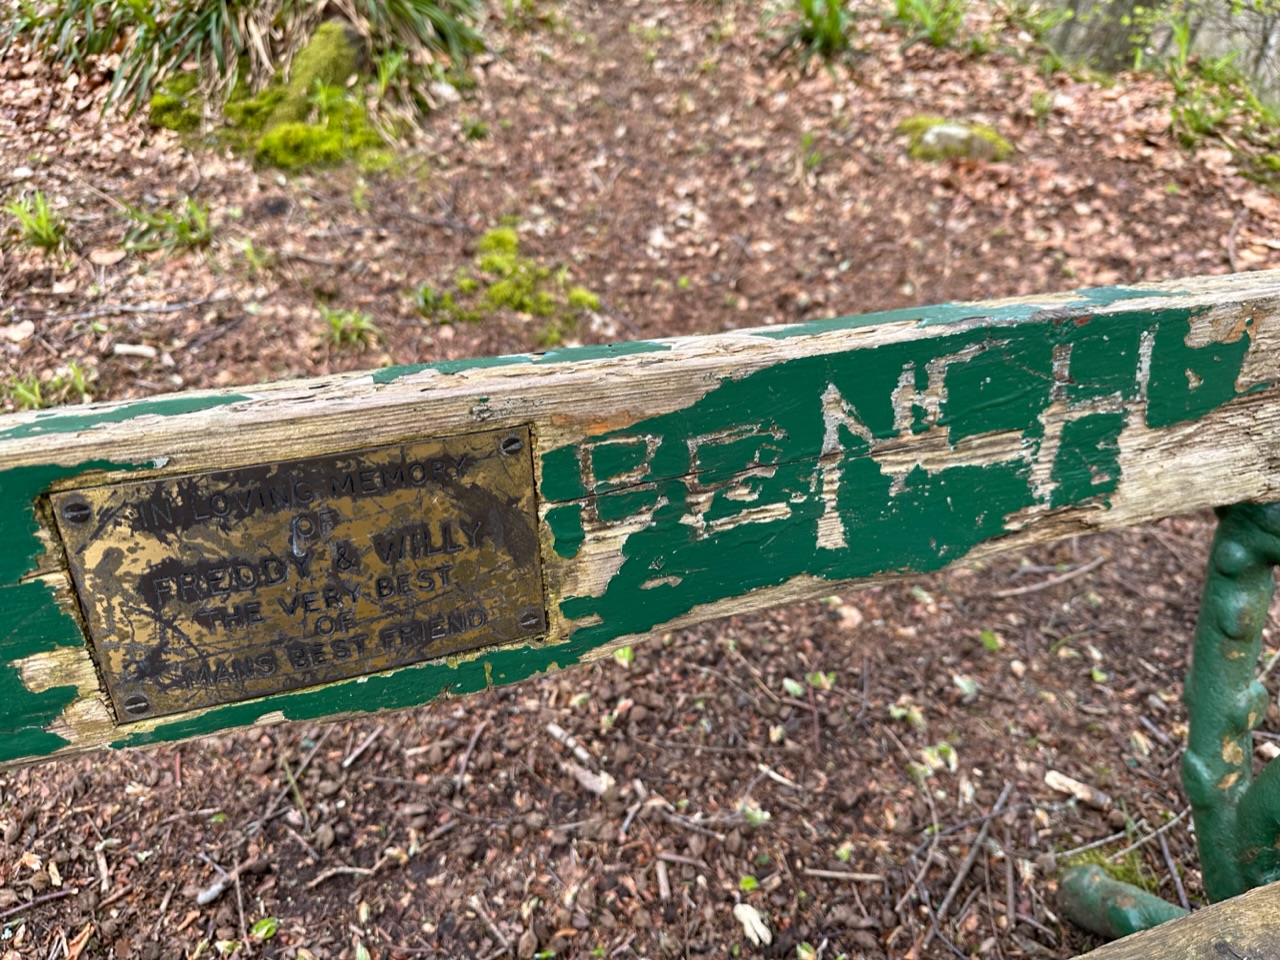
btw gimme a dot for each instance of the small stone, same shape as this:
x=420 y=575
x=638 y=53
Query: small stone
x=106 y=256
x=18 y=332
x=445 y=92
x=325 y=836
x=327 y=788
x=143 y=350
x=527 y=945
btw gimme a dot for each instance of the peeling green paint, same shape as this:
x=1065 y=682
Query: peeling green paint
x=33 y=622
x=66 y=420
x=392 y=374
x=944 y=313
x=565 y=355
x=1186 y=382
x=1088 y=463
x=738 y=490
x=410 y=686
x=565 y=524
x=601 y=351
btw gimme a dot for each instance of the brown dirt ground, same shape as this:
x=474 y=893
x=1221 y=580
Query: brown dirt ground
x=697 y=184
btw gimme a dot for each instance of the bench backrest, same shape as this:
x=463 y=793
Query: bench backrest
x=183 y=565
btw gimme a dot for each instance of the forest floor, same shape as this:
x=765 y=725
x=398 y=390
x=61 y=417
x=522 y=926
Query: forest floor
x=695 y=182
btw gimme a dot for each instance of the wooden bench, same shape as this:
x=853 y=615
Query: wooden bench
x=185 y=565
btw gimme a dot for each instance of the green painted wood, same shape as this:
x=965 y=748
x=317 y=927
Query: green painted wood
x=688 y=478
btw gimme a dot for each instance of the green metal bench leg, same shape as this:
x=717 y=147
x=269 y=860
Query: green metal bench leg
x=1237 y=819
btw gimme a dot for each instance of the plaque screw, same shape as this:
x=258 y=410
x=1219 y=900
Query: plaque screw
x=511 y=445
x=136 y=705
x=529 y=620
x=77 y=512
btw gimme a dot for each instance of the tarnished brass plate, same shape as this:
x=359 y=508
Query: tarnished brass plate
x=216 y=587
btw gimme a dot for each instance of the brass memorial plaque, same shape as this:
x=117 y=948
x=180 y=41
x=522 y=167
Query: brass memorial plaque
x=216 y=587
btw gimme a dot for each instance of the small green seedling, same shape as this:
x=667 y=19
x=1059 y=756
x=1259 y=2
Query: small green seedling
x=350 y=328
x=189 y=228
x=821 y=30
x=38 y=225
x=754 y=815
x=265 y=928
x=937 y=21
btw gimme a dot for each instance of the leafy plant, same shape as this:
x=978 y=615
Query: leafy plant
x=937 y=21
x=231 y=40
x=754 y=815
x=350 y=328
x=509 y=280
x=38 y=225
x=70 y=384
x=821 y=30
x=165 y=230
x=820 y=680
x=265 y=928
x=257 y=261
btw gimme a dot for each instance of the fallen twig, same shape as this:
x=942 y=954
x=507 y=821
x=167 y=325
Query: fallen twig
x=474 y=903
x=1120 y=854
x=1173 y=871
x=844 y=875
x=683 y=861
x=440 y=831
x=567 y=740
x=1067 y=854
x=117 y=896
x=365 y=744
x=466 y=757
x=332 y=872
x=227 y=879
x=1232 y=260
x=279 y=797
x=1052 y=581
x=777 y=777
x=35 y=902
x=1083 y=792
x=113 y=309
x=967 y=864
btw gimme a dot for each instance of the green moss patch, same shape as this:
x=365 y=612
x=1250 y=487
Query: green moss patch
x=177 y=105
x=328 y=60
x=506 y=279
x=934 y=138
x=1130 y=869
x=315 y=119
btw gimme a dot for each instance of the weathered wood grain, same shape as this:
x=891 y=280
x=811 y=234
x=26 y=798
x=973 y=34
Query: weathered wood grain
x=690 y=478
x=1244 y=926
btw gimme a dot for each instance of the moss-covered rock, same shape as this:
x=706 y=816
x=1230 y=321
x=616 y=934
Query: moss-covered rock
x=313 y=120
x=329 y=59
x=177 y=105
x=342 y=131
x=936 y=138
